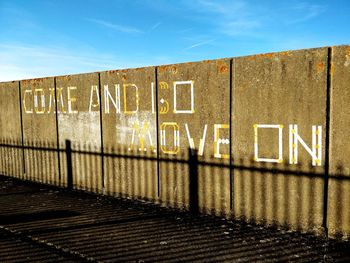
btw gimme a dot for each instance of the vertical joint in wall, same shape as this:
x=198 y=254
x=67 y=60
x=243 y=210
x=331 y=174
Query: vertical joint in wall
x=327 y=138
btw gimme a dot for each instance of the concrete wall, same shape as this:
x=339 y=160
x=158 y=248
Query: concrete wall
x=39 y=130
x=185 y=92
x=10 y=129
x=78 y=118
x=339 y=190
x=279 y=89
x=129 y=129
x=270 y=131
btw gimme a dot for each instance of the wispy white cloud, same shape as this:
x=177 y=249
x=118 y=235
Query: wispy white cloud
x=222 y=7
x=232 y=18
x=155 y=26
x=241 y=28
x=182 y=31
x=242 y=18
x=117 y=27
x=21 y=61
x=305 y=11
x=18 y=18
x=199 y=44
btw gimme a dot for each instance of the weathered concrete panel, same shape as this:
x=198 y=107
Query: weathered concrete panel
x=339 y=190
x=129 y=129
x=39 y=130
x=78 y=107
x=194 y=106
x=10 y=129
x=279 y=89
x=277 y=141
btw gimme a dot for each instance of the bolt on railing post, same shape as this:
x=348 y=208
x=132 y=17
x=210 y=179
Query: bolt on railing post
x=193 y=173
x=69 y=164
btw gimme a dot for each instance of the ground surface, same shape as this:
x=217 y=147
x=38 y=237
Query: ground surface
x=44 y=224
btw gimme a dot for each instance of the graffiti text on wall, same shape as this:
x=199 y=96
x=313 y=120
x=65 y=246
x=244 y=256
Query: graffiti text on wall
x=39 y=101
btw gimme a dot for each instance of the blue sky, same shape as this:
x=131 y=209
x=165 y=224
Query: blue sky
x=54 y=37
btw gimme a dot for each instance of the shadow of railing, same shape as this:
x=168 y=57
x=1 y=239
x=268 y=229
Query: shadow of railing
x=270 y=194
x=11 y=157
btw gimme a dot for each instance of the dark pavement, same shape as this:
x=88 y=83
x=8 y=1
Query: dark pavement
x=46 y=224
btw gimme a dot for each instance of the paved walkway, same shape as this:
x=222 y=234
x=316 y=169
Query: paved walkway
x=44 y=224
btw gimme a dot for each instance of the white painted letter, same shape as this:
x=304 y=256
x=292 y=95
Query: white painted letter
x=201 y=141
x=176 y=83
x=71 y=99
x=218 y=141
x=141 y=133
x=316 y=152
x=94 y=89
x=108 y=96
x=39 y=93
x=136 y=95
x=256 y=153
x=24 y=101
x=176 y=148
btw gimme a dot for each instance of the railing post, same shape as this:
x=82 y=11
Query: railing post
x=69 y=164
x=193 y=170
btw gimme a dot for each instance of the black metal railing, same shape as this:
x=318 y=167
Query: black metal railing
x=187 y=180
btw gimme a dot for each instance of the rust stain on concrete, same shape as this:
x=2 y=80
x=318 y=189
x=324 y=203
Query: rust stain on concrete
x=34 y=82
x=174 y=70
x=267 y=55
x=285 y=53
x=221 y=66
x=270 y=55
x=163 y=68
x=223 y=69
x=320 y=67
x=111 y=72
